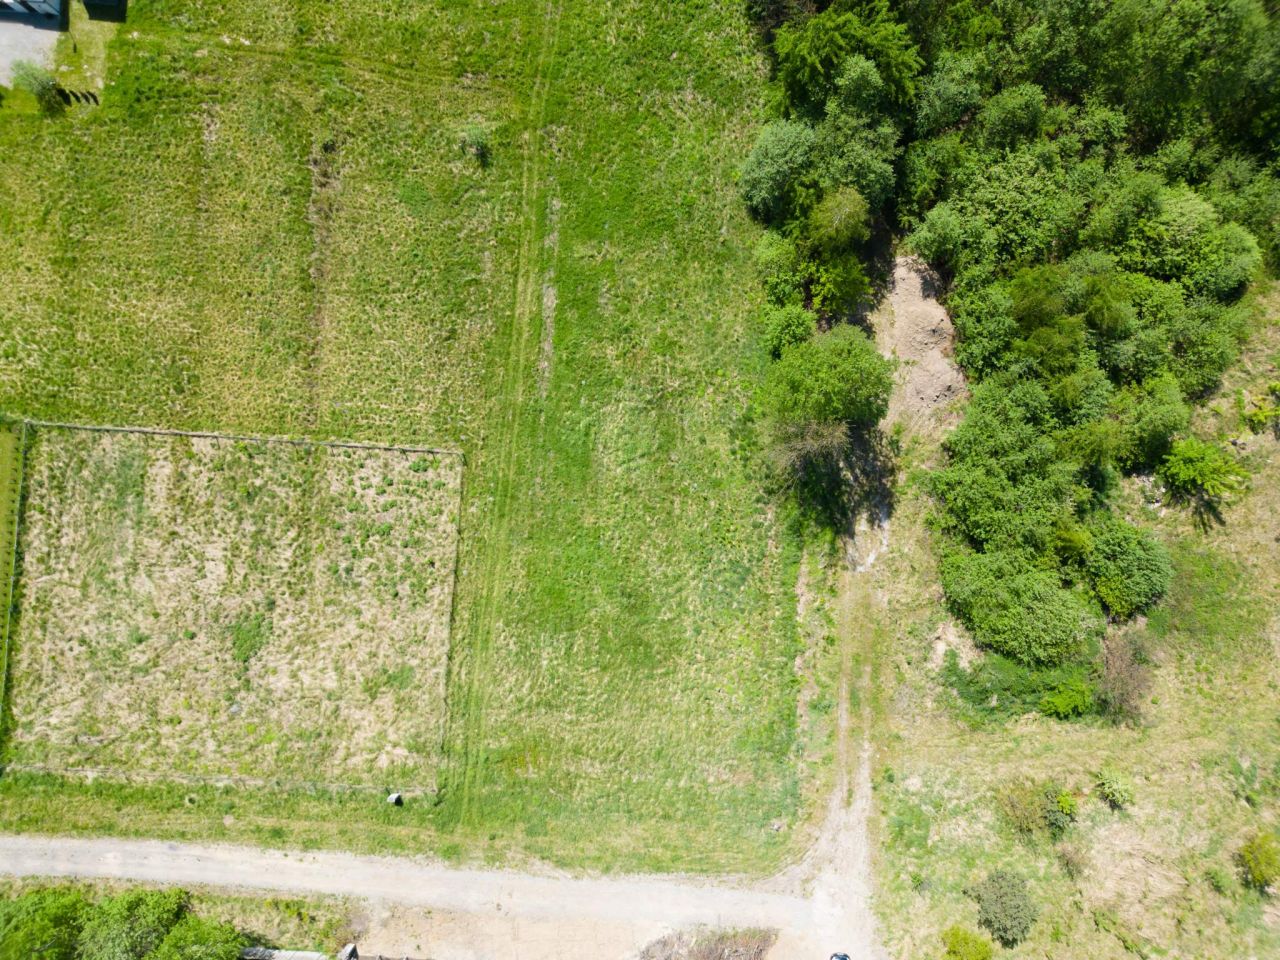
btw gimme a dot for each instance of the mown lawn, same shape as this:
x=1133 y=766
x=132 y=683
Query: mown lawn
x=268 y=227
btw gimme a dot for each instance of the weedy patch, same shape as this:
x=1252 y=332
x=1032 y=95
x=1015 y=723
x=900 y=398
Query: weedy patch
x=225 y=608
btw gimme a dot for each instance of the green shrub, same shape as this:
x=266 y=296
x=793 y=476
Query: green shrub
x=1012 y=116
x=1202 y=341
x=1128 y=567
x=1037 y=810
x=475 y=143
x=1114 y=788
x=1070 y=699
x=949 y=240
x=42 y=923
x=1005 y=909
x=1150 y=415
x=963 y=944
x=40 y=83
x=780 y=158
x=930 y=167
x=856 y=146
x=810 y=53
x=996 y=686
x=1220 y=880
x=1185 y=241
x=787 y=326
x=1016 y=608
x=839 y=287
x=780 y=268
x=131 y=925
x=947 y=94
x=836 y=377
x=1260 y=861
x=838 y=221
x=1194 y=468
x=194 y=938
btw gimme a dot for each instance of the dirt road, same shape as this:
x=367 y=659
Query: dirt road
x=648 y=904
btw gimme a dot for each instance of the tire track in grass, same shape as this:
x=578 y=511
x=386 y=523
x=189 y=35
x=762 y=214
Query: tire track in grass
x=501 y=458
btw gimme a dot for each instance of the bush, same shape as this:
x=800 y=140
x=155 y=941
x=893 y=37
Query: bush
x=856 y=147
x=1012 y=116
x=131 y=925
x=963 y=944
x=193 y=938
x=929 y=170
x=43 y=923
x=780 y=268
x=1037 y=810
x=837 y=377
x=1126 y=678
x=1005 y=909
x=838 y=221
x=1185 y=241
x=787 y=326
x=1198 y=469
x=999 y=687
x=947 y=94
x=1016 y=608
x=1070 y=699
x=839 y=287
x=1150 y=415
x=1202 y=341
x=1260 y=861
x=1074 y=859
x=40 y=83
x=475 y=143
x=1114 y=788
x=1128 y=568
x=780 y=158
x=811 y=52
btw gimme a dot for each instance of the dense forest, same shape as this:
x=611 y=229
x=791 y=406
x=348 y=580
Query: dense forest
x=1096 y=183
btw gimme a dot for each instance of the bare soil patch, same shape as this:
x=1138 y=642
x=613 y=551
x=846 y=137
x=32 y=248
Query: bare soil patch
x=912 y=326
x=221 y=608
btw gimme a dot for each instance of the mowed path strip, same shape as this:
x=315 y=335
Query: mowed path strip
x=419 y=883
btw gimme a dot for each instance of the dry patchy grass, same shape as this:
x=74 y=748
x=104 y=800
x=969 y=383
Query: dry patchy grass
x=1158 y=878
x=223 y=608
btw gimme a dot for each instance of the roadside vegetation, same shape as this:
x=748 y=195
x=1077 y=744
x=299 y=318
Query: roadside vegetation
x=110 y=922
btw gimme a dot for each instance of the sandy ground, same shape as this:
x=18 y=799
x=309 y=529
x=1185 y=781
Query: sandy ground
x=25 y=38
x=913 y=326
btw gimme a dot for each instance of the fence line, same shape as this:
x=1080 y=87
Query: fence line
x=245 y=438
x=195 y=779
x=112 y=775
x=10 y=598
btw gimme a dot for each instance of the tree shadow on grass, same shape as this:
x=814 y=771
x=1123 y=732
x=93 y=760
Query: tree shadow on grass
x=837 y=490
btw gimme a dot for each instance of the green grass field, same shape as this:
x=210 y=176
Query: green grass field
x=269 y=227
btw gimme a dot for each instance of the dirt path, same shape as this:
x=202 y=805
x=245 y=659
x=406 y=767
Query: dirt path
x=914 y=327
x=647 y=905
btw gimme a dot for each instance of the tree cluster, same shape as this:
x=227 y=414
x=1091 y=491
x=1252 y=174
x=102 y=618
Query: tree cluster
x=1098 y=181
